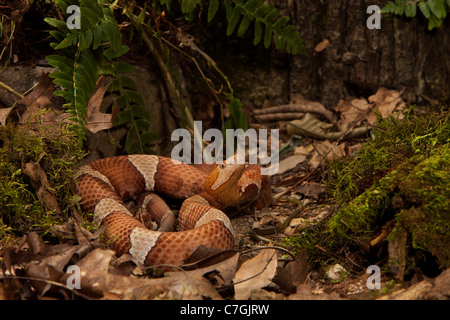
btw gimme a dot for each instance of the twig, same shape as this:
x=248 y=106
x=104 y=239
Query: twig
x=293 y=111
x=11 y=90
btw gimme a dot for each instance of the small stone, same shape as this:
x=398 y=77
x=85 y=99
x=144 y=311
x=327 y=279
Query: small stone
x=336 y=272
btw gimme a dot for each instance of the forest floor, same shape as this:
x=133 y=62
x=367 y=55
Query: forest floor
x=360 y=211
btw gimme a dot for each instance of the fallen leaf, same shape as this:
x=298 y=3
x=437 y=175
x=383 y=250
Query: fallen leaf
x=388 y=102
x=312 y=127
x=326 y=150
x=226 y=267
x=255 y=273
x=322 y=45
x=97 y=120
x=353 y=112
x=290 y=163
x=311 y=189
x=98 y=282
x=43 y=271
x=4 y=113
x=40 y=183
x=35 y=242
x=293 y=274
x=331 y=150
x=38 y=99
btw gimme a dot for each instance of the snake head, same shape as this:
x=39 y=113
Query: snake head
x=222 y=183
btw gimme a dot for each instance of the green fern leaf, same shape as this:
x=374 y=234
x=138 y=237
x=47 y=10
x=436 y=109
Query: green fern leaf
x=139 y=111
x=123 y=118
x=112 y=54
x=70 y=40
x=111 y=33
x=235 y=17
x=437 y=7
x=123 y=67
x=245 y=23
x=58 y=35
x=61 y=75
x=89 y=37
x=268 y=36
x=62 y=63
x=258 y=32
x=212 y=9
x=188 y=6
x=390 y=7
x=97 y=34
x=253 y=4
x=228 y=9
x=63 y=94
x=127 y=83
x=262 y=11
x=270 y=17
x=424 y=9
x=281 y=22
x=94 y=7
x=62 y=4
x=57 y=24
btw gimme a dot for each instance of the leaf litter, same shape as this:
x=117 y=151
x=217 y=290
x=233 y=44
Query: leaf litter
x=39 y=270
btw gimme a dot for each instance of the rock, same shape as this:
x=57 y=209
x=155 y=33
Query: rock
x=336 y=272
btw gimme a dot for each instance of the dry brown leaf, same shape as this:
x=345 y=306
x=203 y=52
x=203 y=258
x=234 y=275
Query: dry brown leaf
x=42 y=270
x=331 y=150
x=293 y=274
x=290 y=163
x=311 y=189
x=255 y=273
x=38 y=99
x=388 y=102
x=40 y=183
x=226 y=268
x=353 y=112
x=4 y=113
x=322 y=45
x=35 y=242
x=97 y=120
x=97 y=281
x=384 y=102
x=312 y=127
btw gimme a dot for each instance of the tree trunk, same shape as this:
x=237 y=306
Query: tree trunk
x=402 y=54
x=357 y=61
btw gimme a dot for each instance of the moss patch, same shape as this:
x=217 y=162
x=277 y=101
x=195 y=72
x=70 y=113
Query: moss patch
x=400 y=182
x=57 y=152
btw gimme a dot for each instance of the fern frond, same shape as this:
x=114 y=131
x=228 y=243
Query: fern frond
x=265 y=15
x=268 y=24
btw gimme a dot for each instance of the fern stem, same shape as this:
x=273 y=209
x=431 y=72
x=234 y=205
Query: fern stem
x=207 y=80
x=179 y=102
x=79 y=120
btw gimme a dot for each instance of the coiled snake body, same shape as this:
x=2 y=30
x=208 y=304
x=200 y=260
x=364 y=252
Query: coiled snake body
x=208 y=191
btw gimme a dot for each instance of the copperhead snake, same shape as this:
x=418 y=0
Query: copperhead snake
x=207 y=190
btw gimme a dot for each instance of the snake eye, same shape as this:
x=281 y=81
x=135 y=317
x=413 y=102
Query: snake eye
x=222 y=166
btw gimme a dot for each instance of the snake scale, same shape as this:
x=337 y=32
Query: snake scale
x=208 y=192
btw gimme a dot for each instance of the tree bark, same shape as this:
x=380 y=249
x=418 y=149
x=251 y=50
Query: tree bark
x=402 y=54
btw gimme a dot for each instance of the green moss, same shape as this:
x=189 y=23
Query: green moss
x=423 y=184
x=393 y=141
x=401 y=177
x=58 y=153
x=427 y=188
x=361 y=216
